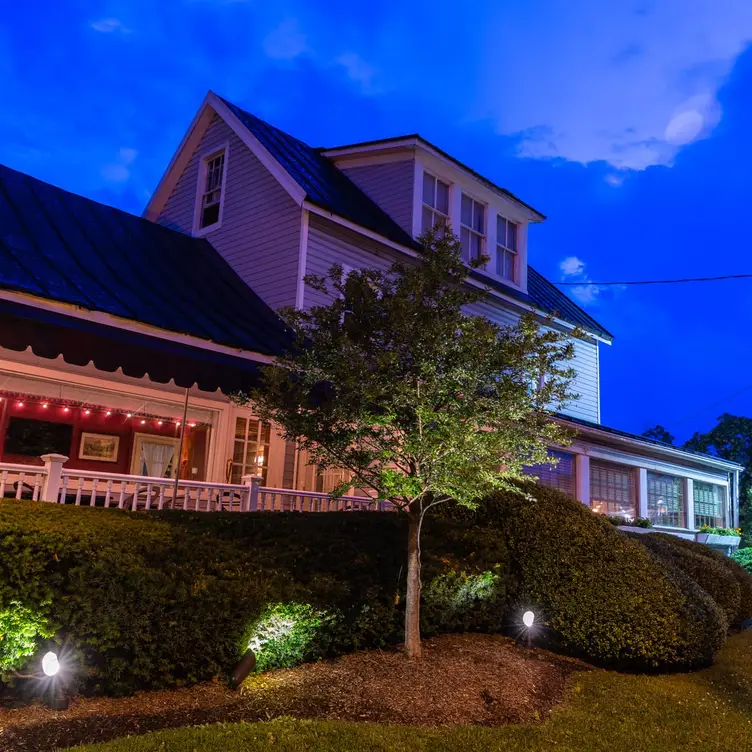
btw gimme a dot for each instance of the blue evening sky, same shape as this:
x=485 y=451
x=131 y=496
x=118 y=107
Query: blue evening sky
x=628 y=123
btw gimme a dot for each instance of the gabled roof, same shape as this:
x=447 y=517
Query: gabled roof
x=324 y=184
x=416 y=138
x=66 y=248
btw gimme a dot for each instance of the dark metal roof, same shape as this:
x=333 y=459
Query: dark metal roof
x=588 y=424
x=482 y=178
x=61 y=246
x=325 y=185
x=546 y=297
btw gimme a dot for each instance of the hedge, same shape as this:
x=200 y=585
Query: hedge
x=601 y=594
x=743 y=557
x=146 y=601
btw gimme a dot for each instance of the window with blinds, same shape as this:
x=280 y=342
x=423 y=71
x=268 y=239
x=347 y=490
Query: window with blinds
x=710 y=504
x=666 y=506
x=559 y=476
x=612 y=489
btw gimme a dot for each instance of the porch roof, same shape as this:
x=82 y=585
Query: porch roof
x=64 y=247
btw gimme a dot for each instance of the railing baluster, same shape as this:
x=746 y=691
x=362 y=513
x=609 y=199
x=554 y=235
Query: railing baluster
x=19 y=485
x=3 y=479
x=161 y=498
x=121 y=500
x=63 y=490
x=79 y=490
x=93 y=496
x=108 y=494
x=148 y=496
x=37 y=487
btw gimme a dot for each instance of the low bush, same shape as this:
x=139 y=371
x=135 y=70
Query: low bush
x=147 y=601
x=743 y=557
x=603 y=595
x=727 y=531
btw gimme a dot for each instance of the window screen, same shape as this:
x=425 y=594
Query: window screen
x=612 y=489
x=666 y=500
x=560 y=476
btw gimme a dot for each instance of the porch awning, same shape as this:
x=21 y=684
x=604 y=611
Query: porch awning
x=80 y=342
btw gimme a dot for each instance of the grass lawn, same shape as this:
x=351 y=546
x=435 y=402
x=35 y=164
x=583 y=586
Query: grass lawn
x=707 y=710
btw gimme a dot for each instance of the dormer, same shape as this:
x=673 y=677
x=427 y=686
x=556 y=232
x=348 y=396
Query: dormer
x=421 y=186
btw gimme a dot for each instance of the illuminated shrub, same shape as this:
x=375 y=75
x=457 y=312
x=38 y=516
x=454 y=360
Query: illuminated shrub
x=21 y=630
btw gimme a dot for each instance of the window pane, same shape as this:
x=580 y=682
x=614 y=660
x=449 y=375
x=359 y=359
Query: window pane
x=429 y=182
x=237 y=454
x=710 y=504
x=512 y=236
x=427 y=219
x=508 y=271
x=465 y=243
x=467 y=211
x=501 y=230
x=665 y=500
x=480 y=218
x=250 y=456
x=612 y=489
x=442 y=197
x=561 y=476
x=476 y=245
x=240 y=428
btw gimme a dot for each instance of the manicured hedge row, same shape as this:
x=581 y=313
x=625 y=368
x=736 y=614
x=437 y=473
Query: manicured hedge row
x=602 y=594
x=148 y=601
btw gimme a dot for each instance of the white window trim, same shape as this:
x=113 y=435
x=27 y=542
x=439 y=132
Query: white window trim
x=201 y=182
x=461 y=225
x=434 y=210
x=516 y=274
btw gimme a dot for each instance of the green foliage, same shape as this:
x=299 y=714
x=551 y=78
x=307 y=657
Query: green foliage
x=600 y=593
x=148 y=601
x=743 y=557
x=393 y=382
x=728 y=531
x=621 y=521
x=21 y=629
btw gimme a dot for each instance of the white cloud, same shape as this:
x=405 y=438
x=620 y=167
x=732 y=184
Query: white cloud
x=286 y=42
x=119 y=170
x=631 y=86
x=357 y=69
x=572 y=266
x=108 y=25
x=587 y=295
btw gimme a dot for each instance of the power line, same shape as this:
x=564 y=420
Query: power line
x=655 y=281
x=710 y=407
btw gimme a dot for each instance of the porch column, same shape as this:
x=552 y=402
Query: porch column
x=689 y=503
x=53 y=464
x=253 y=482
x=582 y=478
x=642 y=492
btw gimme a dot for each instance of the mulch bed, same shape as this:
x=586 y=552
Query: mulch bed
x=461 y=680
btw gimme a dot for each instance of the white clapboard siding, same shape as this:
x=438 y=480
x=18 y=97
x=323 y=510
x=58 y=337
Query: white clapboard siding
x=260 y=231
x=329 y=243
x=391 y=186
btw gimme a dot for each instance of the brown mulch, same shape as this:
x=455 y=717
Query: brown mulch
x=461 y=679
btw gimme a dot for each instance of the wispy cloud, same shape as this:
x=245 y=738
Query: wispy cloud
x=571 y=266
x=109 y=25
x=573 y=269
x=357 y=69
x=119 y=171
x=286 y=42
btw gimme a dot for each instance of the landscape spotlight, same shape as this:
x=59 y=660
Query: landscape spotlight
x=50 y=664
x=528 y=618
x=54 y=697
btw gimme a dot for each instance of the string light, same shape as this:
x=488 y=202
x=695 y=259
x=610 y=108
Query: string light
x=46 y=404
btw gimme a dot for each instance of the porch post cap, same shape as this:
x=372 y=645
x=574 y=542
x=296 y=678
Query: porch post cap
x=54 y=458
x=250 y=478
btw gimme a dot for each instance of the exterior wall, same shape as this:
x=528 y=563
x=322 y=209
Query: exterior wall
x=390 y=185
x=259 y=232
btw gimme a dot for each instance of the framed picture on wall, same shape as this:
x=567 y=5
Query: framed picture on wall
x=99 y=447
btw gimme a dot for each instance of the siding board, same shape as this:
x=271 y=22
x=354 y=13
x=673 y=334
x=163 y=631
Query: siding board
x=260 y=232
x=391 y=186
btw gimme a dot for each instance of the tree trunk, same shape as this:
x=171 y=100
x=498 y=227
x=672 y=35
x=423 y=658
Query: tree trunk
x=412 y=597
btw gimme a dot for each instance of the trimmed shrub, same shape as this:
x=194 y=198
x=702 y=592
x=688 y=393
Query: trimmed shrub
x=599 y=591
x=148 y=601
x=743 y=557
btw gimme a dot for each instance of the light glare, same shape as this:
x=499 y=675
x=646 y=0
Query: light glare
x=528 y=618
x=50 y=664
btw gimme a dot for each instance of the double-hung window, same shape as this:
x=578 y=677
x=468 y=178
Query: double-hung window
x=710 y=504
x=213 y=187
x=435 y=203
x=506 y=248
x=612 y=489
x=559 y=475
x=472 y=228
x=666 y=503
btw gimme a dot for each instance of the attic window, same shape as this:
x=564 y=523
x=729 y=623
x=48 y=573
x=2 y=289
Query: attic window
x=506 y=248
x=473 y=228
x=435 y=203
x=213 y=188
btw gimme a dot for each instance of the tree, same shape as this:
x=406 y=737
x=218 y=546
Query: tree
x=419 y=402
x=659 y=433
x=731 y=439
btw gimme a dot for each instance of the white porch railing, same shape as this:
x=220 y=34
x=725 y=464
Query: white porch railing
x=55 y=483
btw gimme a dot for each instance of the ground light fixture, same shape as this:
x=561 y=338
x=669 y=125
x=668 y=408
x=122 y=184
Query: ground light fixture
x=528 y=619
x=528 y=624
x=246 y=665
x=54 y=696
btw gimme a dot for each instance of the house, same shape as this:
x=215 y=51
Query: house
x=241 y=215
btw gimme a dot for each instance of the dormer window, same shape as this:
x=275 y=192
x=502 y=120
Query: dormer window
x=435 y=203
x=473 y=228
x=210 y=202
x=506 y=248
